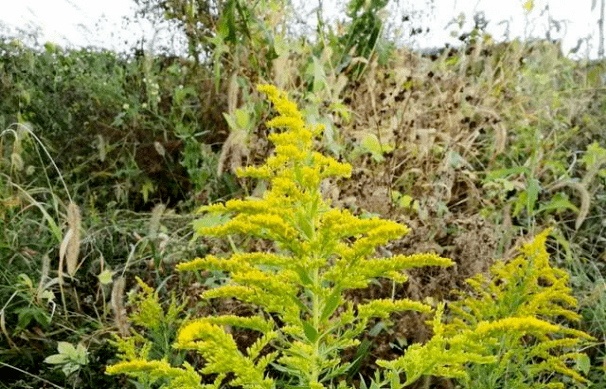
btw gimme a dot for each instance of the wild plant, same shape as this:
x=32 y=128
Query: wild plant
x=296 y=289
x=304 y=323
x=531 y=301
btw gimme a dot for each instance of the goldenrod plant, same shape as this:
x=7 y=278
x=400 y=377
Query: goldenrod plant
x=304 y=322
x=155 y=342
x=518 y=315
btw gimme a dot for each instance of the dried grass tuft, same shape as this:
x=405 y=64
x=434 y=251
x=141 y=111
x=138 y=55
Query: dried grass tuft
x=232 y=93
x=235 y=150
x=154 y=221
x=118 y=307
x=70 y=246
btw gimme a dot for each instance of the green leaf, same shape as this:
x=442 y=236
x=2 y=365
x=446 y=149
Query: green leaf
x=81 y=354
x=559 y=203
x=583 y=363
x=456 y=160
x=319 y=82
x=532 y=189
x=56 y=359
x=377 y=329
x=503 y=173
x=594 y=156
x=305 y=225
x=25 y=280
x=182 y=93
x=303 y=276
x=146 y=189
x=331 y=304
x=230 y=121
x=362 y=353
x=27 y=314
x=47 y=295
x=406 y=202
x=310 y=333
x=70 y=368
x=371 y=144
x=519 y=204
x=208 y=221
x=507 y=185
x=299 y=303
x=242 y=118
x=105 y=277
x=67 y=349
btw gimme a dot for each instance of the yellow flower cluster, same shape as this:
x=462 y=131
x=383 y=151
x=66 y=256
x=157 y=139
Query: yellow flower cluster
x=207 y=338
x=297 y=291
x=150 y=312
x=298 y=288
x=185 y=378
x=441 y=356
x=321 y=252
x=530 y=325
x=524 y=299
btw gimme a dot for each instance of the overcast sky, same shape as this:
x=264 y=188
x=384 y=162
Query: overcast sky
x=75 y=23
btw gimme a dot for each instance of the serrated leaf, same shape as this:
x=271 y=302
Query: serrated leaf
x=146 y=189
x=595 y=155
x=25 y=316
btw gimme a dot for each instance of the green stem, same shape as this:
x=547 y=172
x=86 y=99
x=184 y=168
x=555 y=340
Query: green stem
x=315 y=374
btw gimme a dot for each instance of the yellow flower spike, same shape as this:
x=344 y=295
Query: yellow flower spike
x=520 y=324
x=516 y=315
x=186 y=378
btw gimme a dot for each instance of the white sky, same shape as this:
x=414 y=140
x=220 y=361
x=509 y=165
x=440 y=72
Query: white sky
x=73 y=23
